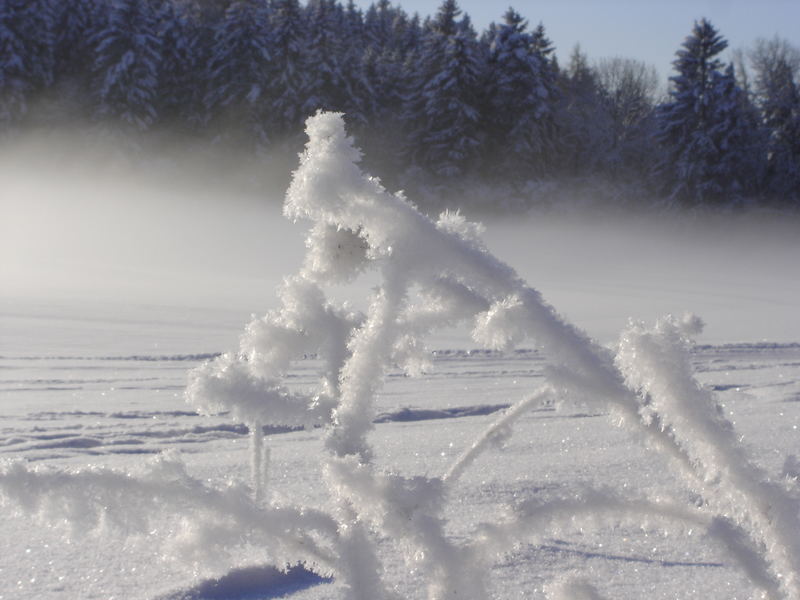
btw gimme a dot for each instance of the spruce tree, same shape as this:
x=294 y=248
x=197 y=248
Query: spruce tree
x=734 y=132
x=327 y=88
x=128 y=54
x=204 y=20
x=73 y=27
x=522 y=100
x=239 y=77
x=378 y=23
x=354 y=26
x=177 y=80
x=389 y=66
x=360 y=98
x=442 y=114
x=392 y=48
x=288 y=77
x=695 y=127
x=15 y=77
x=26 y=55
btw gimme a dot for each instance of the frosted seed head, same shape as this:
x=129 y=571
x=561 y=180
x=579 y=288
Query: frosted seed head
x=691 y=325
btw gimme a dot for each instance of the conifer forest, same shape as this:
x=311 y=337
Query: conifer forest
x=434 y=103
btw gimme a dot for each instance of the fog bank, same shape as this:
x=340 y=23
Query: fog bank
x=102 y=232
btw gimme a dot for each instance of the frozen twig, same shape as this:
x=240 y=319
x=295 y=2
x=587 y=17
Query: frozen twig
x=497 y=431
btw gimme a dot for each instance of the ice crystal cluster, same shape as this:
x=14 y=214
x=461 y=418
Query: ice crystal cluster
x=432 y=274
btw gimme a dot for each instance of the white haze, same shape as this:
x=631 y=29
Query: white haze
x=108 y=232
x=98 y=232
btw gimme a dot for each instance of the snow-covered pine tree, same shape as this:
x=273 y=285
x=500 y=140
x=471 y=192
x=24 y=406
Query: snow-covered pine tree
x=72 y=19
x=354 y=24
x=177 y=81
x=360 y=100
x=128 y=55
x=699 y=164
x=380 y=71
x=240 y=74
x=204 y=18
x=378 y=22
x=419 y=74
x=734 y=132
x=442 y=112
x=15 y=79
x=26 y=55
x=391 y=39
x=547 y=140
x=406 y=33
x=73 y=26
x=522 y=98
x=288 y=81
x=327 y=87
x=389 y=63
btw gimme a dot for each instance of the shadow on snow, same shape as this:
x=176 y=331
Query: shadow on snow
x=251 y=583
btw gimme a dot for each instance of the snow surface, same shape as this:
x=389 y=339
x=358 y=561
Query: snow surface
x=112 y=411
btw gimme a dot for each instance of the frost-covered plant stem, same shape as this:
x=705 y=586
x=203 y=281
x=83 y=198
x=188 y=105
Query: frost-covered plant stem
x=259 y=462
x=655 y=362
x=95 y=497
x=371 y=351
x=496 y=432
x=358 y=564
x=532 y=519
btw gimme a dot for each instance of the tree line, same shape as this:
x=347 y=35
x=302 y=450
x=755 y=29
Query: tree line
x=429 y=100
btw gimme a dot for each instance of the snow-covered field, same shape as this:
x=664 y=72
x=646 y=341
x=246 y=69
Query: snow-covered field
x=118 y=404
x=96 y=389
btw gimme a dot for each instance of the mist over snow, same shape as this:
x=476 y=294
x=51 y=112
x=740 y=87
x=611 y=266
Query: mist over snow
x=738 y=271
x=101 y=228
x=86 y=227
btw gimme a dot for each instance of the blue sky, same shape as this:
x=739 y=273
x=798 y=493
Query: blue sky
x=645 y=29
